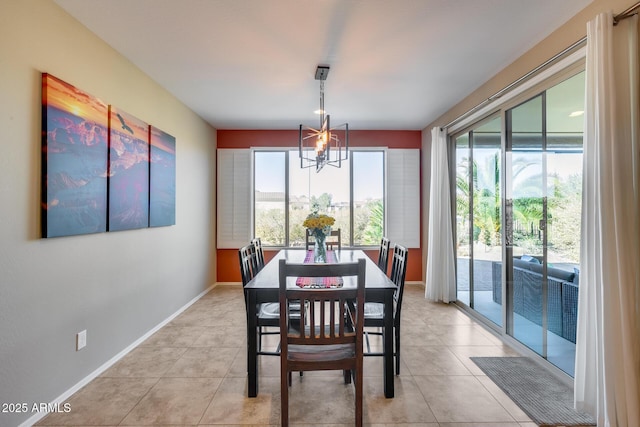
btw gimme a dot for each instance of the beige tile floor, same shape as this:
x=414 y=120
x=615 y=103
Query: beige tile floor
x=193 y=372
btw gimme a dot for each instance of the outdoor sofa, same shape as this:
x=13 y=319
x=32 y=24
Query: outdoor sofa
x=562 y=294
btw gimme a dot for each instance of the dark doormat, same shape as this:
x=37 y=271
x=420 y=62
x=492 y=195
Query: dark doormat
x=542 y=396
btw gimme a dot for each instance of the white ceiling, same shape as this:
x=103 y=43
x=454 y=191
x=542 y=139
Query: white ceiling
x=250 y=64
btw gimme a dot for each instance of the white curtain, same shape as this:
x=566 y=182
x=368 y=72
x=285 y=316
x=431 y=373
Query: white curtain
x=440 y=257
x=607 y=371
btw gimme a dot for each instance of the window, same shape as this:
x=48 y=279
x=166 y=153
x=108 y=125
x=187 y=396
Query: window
x=368 y=196
x=265 y=193
x=285 y=194
x=270 y=204
x=326 y=191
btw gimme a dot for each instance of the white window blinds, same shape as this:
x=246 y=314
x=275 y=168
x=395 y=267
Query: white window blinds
x=403 y=197
x=234 y=198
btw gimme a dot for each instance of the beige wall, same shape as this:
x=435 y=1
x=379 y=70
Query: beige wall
x=569 y=33
x=118 y=285
x=572 y=31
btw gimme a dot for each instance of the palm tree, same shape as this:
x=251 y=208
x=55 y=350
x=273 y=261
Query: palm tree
x=375 y=225
x=487 y=218
x=486 y=197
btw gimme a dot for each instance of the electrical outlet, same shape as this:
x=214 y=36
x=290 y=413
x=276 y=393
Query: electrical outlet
x=81 y=340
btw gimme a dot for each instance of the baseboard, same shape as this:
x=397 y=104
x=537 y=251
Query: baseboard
x=414 y=283
x=86 y=380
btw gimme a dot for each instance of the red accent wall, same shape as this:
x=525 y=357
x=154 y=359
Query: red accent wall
x=228 y=264
x=289 y=138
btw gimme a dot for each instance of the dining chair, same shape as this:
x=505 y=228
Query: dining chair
x=374 y=311
x=257 y=244
x=327 y=336
x=383 y=255
x=268 y=313
x=334 y=240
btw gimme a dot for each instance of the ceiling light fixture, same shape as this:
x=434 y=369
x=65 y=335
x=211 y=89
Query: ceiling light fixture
x=323 y=146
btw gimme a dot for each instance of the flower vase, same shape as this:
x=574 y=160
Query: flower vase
x=320 y=249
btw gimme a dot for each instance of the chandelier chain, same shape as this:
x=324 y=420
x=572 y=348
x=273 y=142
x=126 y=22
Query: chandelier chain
x=322 y=112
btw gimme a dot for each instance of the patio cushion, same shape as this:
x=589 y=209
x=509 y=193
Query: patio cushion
x=558 y=273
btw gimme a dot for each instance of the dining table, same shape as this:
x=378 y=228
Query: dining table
x=264 y=287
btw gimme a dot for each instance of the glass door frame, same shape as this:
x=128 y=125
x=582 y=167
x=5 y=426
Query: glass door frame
x=540 y=87
x=508 y=219
x=469 y=130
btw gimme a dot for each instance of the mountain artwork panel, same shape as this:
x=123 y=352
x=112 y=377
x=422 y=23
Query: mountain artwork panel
x=128 y=171
x=162 y=179
x=74 y=160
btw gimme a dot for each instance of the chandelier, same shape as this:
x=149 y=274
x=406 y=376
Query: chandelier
x=324 y=145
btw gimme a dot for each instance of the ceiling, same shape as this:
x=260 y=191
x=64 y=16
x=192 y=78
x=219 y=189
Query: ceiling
x=250 y=64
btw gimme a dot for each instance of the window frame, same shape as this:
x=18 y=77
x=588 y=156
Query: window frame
x=286 y=151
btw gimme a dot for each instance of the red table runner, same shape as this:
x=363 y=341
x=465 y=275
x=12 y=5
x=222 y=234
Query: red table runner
x=320 y=282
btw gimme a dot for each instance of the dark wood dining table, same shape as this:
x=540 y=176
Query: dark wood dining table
x=264 y=288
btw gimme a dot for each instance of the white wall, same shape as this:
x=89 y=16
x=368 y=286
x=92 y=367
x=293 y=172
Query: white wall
x=117 y=285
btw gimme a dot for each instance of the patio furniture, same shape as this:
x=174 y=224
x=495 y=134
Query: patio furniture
x=562 y=295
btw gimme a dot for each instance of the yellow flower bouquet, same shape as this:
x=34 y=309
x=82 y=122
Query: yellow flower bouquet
x=319 y=224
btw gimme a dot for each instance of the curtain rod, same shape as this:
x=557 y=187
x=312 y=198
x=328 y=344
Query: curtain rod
x=617 y=18
x=626 y=14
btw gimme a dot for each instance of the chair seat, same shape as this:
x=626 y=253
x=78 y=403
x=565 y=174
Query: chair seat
x=321 y=353
x=373 y=310
x=271 y=310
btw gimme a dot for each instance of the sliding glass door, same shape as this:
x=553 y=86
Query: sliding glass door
x=518 y=176
x=564 y=153
x=544 y=193
x=478 y=217
x=526 y=223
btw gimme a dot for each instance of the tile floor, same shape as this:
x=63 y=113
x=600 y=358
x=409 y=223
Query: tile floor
x=193 y=372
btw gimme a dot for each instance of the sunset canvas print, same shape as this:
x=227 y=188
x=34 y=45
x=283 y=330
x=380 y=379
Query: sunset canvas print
x=74 y=160
x=128 y=171
x=162 y=179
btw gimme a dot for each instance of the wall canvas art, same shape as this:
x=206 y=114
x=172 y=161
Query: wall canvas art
x=128 y=171
x=74 y=160
x=162 y=179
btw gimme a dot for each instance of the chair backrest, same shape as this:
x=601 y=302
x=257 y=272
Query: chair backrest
x=334 y=240
x=383 y=254
x=257 y=244
x=398 y=272
x=334 y=315
x=248 y=263
x=309 y=239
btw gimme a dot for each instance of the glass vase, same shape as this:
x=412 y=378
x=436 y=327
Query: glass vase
x=320 y=249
